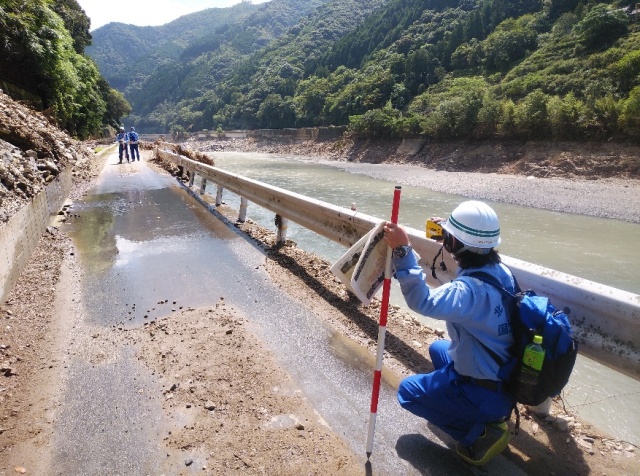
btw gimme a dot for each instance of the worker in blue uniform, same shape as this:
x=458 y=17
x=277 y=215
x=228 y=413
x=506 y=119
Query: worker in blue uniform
x=463 y=396
x=121 y=139
x=133 y=144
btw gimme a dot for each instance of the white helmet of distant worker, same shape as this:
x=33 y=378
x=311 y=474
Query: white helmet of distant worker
x=475 y=225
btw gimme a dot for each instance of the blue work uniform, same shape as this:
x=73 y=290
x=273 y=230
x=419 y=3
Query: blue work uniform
x=121 y=139
x=133 y=145
x=464 y=393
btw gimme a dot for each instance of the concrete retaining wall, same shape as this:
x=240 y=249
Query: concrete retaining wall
x=291 y=135
x=299 y=135
x=20 y=235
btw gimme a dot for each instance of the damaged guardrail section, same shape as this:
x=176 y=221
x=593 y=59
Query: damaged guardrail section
x=606 y=320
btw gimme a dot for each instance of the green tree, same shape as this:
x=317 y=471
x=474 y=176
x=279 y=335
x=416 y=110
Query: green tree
x=376 y=123
x=568 y=117
x=468 y=55
x=420 y=70
x=555 y=8
x=116 y=105
x=38 y=54
x=310 y=100
x=601 y=26
x=488 y=116
x=508 y=43
x=507 y=123
x=606 y=115
x=630 y=114
x=531 y=115
x=276 y=112
x=627 y=70
x=453 y=113
x=75 y=21
x=371 y=89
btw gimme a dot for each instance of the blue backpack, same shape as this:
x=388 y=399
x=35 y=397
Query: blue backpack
x=133 y=136
x=530 y=315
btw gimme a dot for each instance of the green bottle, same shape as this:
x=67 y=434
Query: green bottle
x=532 y=361
x=534 y=354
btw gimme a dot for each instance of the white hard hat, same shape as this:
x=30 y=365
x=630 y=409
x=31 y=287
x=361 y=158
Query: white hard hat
x=475 y=224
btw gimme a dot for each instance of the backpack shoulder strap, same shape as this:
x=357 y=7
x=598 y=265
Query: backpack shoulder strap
x=492 y=280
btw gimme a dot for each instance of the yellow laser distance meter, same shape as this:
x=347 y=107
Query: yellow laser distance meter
x=434 y=230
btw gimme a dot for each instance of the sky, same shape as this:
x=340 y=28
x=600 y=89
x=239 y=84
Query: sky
x=147 y=12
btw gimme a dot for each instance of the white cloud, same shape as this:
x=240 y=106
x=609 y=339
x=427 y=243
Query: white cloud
x=146 y=12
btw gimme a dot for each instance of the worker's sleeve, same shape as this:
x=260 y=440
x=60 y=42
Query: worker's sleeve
x=450 y=302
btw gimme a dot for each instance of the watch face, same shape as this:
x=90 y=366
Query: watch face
x=401 y=251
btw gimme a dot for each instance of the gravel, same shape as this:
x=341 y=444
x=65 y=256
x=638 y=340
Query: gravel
x=605 y=198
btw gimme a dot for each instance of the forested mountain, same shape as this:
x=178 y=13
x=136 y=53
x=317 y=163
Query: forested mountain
x=42 y=62
x=127 y=54
x=449 y=69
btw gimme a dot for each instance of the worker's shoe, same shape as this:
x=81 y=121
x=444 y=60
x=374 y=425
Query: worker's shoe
x=490 y=444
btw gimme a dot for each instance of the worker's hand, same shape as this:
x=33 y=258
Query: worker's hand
x=395 y=235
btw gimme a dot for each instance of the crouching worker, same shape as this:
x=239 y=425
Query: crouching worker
x=463 y=396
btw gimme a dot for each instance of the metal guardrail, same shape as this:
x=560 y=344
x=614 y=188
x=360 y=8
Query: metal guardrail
x=606 y=320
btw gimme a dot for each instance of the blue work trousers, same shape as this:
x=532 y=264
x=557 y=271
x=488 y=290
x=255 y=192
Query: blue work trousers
x=122 y=148
x=134 y=151
x=450 y=401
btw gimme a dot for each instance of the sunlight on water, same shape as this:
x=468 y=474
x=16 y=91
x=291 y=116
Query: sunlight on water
x=574 y=244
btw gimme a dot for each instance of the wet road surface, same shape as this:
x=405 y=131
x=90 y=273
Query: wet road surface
x=147 y=248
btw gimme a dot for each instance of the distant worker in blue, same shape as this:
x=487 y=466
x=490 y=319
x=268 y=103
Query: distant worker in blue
x=133 y=144
x=463 y=396
x=121 y=139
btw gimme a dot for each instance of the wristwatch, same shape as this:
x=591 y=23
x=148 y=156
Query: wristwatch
x=401 y=251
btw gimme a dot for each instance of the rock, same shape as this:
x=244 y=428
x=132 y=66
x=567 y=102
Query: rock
x=563 y=423
x=7 y=370
x=584 y=443
x=50 y=166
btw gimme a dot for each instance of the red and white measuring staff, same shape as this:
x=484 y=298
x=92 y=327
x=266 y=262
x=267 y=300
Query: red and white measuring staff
x=382 y=329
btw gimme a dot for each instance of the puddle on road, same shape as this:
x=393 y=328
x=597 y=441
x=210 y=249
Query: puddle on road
x=148 y=253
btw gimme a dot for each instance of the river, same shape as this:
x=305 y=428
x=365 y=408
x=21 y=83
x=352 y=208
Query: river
x=570 y=243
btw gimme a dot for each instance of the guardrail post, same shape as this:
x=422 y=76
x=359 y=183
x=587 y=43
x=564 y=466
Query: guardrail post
x=242 y=216
x=282 y=223
x=192 y=177
x=219 y=196
x=203 y=186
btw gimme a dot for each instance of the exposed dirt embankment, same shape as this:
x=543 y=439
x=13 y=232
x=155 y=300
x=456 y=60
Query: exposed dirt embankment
x=33 y=152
